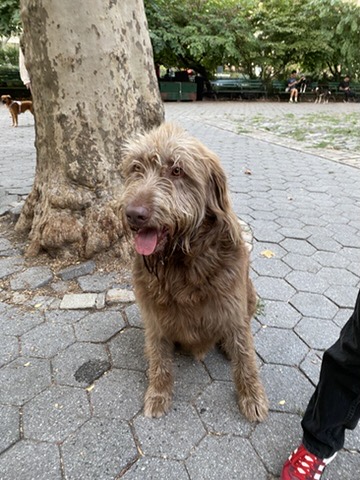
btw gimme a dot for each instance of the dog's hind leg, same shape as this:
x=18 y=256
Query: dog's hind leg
x=252 y=400
x=159 y=352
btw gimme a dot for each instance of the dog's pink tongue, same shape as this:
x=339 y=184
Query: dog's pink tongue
x=146 y=241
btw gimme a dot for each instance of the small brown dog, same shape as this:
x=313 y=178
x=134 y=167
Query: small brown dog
x=16 y=107
x=191 y=272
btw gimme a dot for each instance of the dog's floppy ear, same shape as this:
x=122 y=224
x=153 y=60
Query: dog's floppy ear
x=218 y=196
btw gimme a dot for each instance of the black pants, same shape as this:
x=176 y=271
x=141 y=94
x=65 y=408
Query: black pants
x=335 y=405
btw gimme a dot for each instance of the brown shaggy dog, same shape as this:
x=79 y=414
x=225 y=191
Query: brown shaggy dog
x=191 y=272
x=16 y=107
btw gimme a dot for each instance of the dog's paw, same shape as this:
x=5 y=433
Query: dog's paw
x=156 y=405
x=255 y=409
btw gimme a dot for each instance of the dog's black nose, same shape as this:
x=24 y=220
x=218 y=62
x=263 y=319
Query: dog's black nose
x=137 y=216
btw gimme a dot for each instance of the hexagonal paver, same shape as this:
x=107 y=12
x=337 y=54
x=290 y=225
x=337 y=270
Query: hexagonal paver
x=311 y=365
x=156 y=468
x=156 y=435
x=218 y=365
x=301 y=247
x=31 y=278
x=99 y=282
x=65 y=316
x=295 y=233
x=313 y=305
x=268 y=234
x=16 y=321
x=99 y=326
x=282 y=430
x=287 y=388
x=205 y=461
x=325 y=243
x=275 y=248
x=343 y=296
x=317 y=334
x=133 y=316
x=119 y=394
x=281 y=346
x=344 y=466
x=127 y=349
x=190 y=377
x=26 y=459
x=273 y=288
x=9 y=349
x=278 y=314
x=69 y=365
x=11 y=265
x=339 y=276
x=271 y=267
x=301 y=262
x=47 y=340
x=307 y=282
x=218 y=409
x=342 y=316
x=22 y=379
x=55 y=413
x=331 y=259
x=9 y=426
x=100 y=449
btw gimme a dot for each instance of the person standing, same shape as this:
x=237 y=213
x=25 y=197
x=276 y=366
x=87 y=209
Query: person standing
x=333 y=408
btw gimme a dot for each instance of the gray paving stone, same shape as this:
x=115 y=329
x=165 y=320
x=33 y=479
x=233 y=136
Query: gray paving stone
x=205 y=461
x=343 y=296
x=156 y=469
x=31 y=278
x=99 y=450
x=311 y=365
x=347 y=240
x=287 y=388
x=307 y=282
x=28 y=460
x=219 y=411
x=75 y=271
x=5 y=245
x=47 y=340
x=55 y=413
x=281 y=346
x=22 y=379
x=119 y=394
x=9 y=349
x=16 y=321
x=8 y=266
x=99 y=326
x=271 y=267
x=313 y=305
x=352 y=439
x=278 y=314
x=65 y=316
x=99 y=282
x=324 y=243
x=302 y=262
x=295 y=233
x=9 y=427
x=331 y=259
x=339 y=276
x=345 y=466
x=119 y=295
x=268 y=235
x=156 y=435
x=127 y=350
x=301 y=247
x=133 y=316
x=342 y=316
x=281 y=430
x=276 y=249
x=190 y=378
x=68 y=363
x=218 y=365
x=320 y=335
x=269 y=288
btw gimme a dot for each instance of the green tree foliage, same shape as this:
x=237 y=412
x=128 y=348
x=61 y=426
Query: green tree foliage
x=9 y=17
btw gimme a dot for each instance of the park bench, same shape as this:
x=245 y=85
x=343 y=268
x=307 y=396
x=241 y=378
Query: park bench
x=11 y=84
x=278 y=91
x=238 y=88
x=177 y=91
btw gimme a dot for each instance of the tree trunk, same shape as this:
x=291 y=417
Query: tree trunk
x=93 y=84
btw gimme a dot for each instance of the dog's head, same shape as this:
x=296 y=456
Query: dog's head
x=175 y=190
x=6 y=99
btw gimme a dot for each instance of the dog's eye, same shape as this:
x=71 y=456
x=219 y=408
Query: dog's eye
x=176 y=171
x=136 y=167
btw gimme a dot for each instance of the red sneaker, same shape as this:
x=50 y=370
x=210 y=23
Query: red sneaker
x=303 y=465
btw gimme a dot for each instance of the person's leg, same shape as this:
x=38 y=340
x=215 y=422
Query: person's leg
x=335 y=405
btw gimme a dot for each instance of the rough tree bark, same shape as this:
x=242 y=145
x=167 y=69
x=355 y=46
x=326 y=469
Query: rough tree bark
x=93 y=85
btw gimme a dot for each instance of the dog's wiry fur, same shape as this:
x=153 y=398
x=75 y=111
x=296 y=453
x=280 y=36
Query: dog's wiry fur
x=192 y=279
x=15 y=107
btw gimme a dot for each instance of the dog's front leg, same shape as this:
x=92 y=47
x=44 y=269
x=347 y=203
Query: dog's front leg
x=253 y=401
x=159 y=352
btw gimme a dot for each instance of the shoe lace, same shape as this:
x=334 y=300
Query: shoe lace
x=309 y=466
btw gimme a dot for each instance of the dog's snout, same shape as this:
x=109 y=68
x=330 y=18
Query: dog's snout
x=137 y=215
